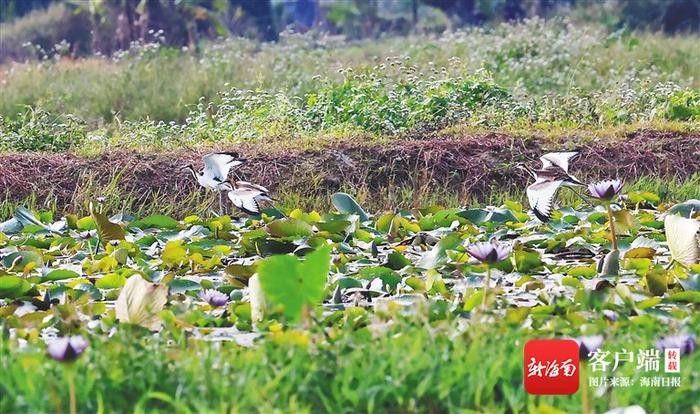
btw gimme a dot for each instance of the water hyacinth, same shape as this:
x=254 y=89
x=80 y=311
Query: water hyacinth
x=214 y=297
x=606 y=189
x=589 y=345
x=684 y=342
x=67 y=348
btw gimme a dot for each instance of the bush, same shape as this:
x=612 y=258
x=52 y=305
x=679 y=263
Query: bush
x=683 y=106
x=38 y=130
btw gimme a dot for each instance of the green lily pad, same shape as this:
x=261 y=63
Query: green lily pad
x=59 y=274
x=110 y=281
x=13 y=286
x=346 y=204
x=288 y=227
x=438 y=254
x=156 y=221
x=17 y=261
x=183 y=285
x=293 y=284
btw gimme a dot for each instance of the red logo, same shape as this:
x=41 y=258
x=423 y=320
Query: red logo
x=551 y=367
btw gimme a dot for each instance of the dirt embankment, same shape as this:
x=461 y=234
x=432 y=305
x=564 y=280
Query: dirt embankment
x=472 y=165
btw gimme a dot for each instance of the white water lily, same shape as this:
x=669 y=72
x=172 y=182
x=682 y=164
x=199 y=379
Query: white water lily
x=140 y=301
x=682 y=237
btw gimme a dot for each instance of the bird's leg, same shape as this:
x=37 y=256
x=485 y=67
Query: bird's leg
x=221 y=205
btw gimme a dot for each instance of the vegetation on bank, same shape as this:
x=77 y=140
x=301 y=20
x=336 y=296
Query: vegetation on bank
x=537 y=74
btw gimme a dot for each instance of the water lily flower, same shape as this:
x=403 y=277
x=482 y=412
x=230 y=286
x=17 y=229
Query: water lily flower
x=610 y=315
x=88 y=234
x=684 y=342
x=606 y=189
x=489 y=252
x=214 y=297
x=67 y=348
x=589 y=345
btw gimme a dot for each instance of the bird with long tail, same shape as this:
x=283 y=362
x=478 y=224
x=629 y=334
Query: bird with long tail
x=553 y=175
x=249 y=198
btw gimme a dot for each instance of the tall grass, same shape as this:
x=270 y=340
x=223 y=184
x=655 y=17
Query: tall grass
x=533 y=58
x=310 y=197
x=377 y=364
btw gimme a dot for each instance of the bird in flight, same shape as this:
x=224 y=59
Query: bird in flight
x=553 y=175
x=214 y=175
x=249 y=197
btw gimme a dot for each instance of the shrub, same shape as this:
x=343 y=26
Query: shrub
x=38 y=130
x=683 y=106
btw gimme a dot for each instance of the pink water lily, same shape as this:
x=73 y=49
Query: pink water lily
x=67 y=348
x=489 y=252
x=606 y=189
x=214 y=297
x=684 y=342
x=589 y=345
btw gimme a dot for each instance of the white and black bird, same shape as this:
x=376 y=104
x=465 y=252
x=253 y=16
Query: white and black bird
x=248 y=197
x=553 y=175
x=214 y=175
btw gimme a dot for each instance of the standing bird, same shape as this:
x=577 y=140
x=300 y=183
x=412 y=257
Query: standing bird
x=553 y=175
x=248 y=197
x=214 y=175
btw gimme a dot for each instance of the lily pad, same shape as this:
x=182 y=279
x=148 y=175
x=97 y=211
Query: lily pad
x=13 y=286
x=346 y=204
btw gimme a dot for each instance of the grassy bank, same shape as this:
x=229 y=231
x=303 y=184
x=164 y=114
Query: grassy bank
x=534 y=58
x=460 y=169
x=143 y=203
x=535 y=75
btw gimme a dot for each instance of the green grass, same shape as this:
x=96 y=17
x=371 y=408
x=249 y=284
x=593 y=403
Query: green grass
x=533 y=58
x=414 y=366
x=535 y=75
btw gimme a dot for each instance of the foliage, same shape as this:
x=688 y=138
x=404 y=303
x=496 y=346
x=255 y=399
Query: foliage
x=537 y=73
x=295 y=285
x=37 y=130
x=401 y=282
x=415 y=364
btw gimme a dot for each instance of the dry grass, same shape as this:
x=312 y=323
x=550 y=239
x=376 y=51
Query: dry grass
x=400 y=174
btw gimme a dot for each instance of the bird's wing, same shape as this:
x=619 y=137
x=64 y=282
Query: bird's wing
x=250 y=186
x=560 y=159
x=541 y=196
x=218 y=165
x=245 y=200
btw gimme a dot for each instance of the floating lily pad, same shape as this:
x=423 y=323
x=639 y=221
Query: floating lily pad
x=346 y=204
x=13 y=287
